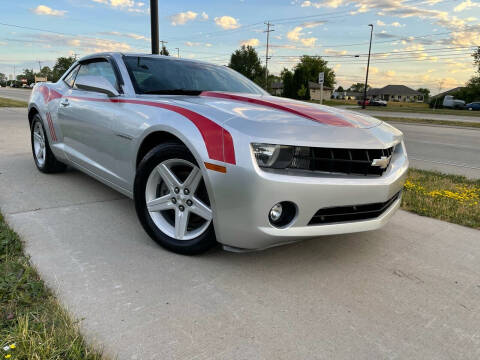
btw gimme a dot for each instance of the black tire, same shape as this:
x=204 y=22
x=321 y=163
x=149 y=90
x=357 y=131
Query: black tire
x=51 y=164
x=158 y=154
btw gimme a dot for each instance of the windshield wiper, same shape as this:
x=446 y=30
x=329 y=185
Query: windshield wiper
x=173 y=92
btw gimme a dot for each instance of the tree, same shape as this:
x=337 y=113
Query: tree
x=3 y=79
x=295 y=84
x=27 y=74
x=46 y=72
x=164 y=51
x=61 y=65
x=425 y=92
x=246 y=61
x=359 y=87
x=476 y=59
x=340 y=89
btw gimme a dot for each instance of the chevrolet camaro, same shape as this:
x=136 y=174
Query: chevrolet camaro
x=208 y=156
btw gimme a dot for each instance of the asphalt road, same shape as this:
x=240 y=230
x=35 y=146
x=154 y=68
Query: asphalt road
x=413 y=115
x=452 y=150
x=15 y=94
x=408 y=291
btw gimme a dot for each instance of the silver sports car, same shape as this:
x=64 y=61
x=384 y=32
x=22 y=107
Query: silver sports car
x=209 y=157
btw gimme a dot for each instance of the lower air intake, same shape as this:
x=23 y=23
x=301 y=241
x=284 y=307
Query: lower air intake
x=351 y=212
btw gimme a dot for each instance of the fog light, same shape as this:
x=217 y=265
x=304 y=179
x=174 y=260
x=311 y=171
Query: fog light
x=276 y=212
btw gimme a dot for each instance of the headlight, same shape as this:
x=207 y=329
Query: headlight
x=273 y=156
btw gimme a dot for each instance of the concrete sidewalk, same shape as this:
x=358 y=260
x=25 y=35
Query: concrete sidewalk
x=409 y=290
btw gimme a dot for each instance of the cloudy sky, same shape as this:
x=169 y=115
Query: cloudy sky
x=416 y=43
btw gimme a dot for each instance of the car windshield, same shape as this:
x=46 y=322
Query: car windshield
x=161 y=75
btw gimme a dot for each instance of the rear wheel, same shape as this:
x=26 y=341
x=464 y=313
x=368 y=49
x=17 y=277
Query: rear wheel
x=42 y=154
x=172 y=201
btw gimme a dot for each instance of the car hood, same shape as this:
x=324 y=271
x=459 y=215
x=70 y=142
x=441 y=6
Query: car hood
x=280 y=111
x=278 y=120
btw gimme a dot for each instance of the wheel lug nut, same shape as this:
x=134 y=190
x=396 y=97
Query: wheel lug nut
x=186 y=191
x=177 y=190
x=189 y=202
x=174 y=200
x=181 y=208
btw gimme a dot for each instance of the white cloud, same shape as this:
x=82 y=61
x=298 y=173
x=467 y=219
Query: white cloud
x=324 y=3
x=397 y=24
x=310 y=42
x=250 y=42
x=465 y=5
x=294 y=34
x=380 y=23
x=204 y=15
x=183 y=17
x=128 y=5
x=127 y=35
x=335 y=52
x=226 y=22
x=45 y=10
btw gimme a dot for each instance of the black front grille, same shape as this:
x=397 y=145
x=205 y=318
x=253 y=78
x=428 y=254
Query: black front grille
x=351 y=213
x=347 y=161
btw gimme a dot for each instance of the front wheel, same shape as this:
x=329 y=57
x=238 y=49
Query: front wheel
x=171 y=200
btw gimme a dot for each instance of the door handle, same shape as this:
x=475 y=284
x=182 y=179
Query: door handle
x=65 y=102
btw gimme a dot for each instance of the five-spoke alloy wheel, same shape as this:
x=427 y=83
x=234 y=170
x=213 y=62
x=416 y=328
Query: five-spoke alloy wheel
x=172 y=201
x=42 y=153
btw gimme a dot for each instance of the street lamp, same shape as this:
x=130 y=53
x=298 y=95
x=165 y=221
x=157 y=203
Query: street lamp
x=368 y=65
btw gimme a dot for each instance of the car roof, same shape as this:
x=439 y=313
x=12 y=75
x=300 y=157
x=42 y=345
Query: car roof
x=117 y=54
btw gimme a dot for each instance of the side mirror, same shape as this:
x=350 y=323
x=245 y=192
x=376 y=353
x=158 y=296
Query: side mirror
x=95 y=83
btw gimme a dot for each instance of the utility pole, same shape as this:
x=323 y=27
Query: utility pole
x=178 y=52
x=154 y=25
x=368 y=66
x=268 y=31
x=40 y=65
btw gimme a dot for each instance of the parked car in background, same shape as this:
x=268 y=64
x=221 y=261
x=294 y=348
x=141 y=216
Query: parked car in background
x=450 y=102
x=473 y=106
x=378 y=102
x=209 y=156
x=360 y=102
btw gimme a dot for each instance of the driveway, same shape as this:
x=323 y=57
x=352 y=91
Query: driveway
x=409 y=290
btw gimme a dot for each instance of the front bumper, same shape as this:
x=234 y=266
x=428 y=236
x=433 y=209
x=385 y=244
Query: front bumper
x=244 y=196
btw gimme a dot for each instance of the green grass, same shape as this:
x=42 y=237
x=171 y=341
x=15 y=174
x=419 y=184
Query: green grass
x=30 y=316
x=429 y=121
x=4 y=102
x=451 y=198
x=416 y=108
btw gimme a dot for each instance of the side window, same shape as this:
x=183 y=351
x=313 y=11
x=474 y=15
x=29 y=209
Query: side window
x=99 y=68
x=70 y=78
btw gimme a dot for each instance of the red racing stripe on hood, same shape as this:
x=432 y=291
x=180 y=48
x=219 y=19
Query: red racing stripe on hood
x=305 y=110
x=218 y=141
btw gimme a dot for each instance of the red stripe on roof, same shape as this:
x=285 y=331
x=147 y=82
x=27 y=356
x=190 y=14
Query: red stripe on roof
x=305 y=110
x=218 y=141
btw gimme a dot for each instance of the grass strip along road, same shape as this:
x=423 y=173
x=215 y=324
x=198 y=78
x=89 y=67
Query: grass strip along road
x=451 y=198
x=429 y=121
x=32 y=323
x=4 y=102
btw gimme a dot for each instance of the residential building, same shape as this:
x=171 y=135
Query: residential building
x=315 y=91
x=400 y=93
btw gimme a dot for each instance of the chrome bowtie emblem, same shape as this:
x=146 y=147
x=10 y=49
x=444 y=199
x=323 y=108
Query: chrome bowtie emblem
x=382 y=162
